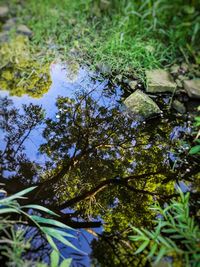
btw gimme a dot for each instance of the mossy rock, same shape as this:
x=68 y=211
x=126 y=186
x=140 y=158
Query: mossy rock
x=159 y=81
x=192 y=87
x=141 y=104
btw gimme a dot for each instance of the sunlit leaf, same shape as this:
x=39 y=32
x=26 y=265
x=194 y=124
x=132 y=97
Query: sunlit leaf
x=53 y=231
x=50 y=221
x=142 y=247
x=137 y=238
x=51 y=242
x=8 y=210
x=66 y=263
x=19 y=194
x=64 y=241
x=41 y=208
x=153 y=250
x=54 y=258
x=161 y=254
x=194 y=150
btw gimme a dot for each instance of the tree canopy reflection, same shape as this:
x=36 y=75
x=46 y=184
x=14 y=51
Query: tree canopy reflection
x=101 y=166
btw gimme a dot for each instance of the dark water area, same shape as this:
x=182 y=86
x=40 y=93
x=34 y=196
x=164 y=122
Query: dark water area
x=93 y=162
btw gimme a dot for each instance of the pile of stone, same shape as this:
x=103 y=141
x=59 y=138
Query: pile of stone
x=4 y=11
x=160 y=81
x=11 y=24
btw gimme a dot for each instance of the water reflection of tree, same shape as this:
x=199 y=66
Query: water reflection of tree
x=15 y=129
x=100 y=163
x=20 y=73
x=115 y=250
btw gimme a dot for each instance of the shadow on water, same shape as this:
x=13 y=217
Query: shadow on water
x=93 y=163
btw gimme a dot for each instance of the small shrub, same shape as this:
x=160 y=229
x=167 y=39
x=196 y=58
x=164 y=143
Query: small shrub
x=176 y=234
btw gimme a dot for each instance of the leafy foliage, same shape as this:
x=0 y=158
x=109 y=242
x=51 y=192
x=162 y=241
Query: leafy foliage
x=176 y=234
x=195 y=150
x=54 y=261
x=13 y=242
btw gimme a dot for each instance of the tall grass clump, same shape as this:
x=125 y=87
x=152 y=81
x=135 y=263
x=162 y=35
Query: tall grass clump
x=127 y=35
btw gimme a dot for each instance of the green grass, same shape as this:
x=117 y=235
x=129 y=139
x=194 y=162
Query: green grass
x=127 y=35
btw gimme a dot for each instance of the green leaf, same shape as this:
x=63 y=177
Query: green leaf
x=160 y=254
x=181 y=195
x=153 y=250
x=51 y=242
x=66 y=263
x=163 y=241
x=194 y=150
x=137 y=230
x=169 y=231
x=149 y=234
x=137 y=238
x=19 y=194
x=65 y=241
x=52 y=231
x=41 y=208
x=54 y=258
x=41 y=265
x=50 y=221
x=8 y=210
x=142 y=247
x=171 y=219
x=197 y=119
x=172 y=244
x=180 y=217
x=180 y=227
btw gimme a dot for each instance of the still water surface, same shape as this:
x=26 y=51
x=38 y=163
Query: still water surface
x=92 y=160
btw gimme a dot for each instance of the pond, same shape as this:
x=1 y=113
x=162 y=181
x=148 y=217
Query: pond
x=93 y=162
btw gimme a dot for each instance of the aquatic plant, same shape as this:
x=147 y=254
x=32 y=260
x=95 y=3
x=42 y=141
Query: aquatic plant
x=175 y=235
x=13 y=240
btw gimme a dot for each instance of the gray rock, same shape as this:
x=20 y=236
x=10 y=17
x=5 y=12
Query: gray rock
x=126 y=80
x=119 y=77
x=104 y=69
x=182 y=77
x=192 y=88
x=73 y=52
x=159 y=81
x=179 y=107
x=184 y=67
x=174 y=69
x=23 y=29
x=141 y=104
x=133 y=84
x=197 y=73
x=3 y=12
x=179 y=83
x=179 y=91
x=4 y=37
x=10 y=23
